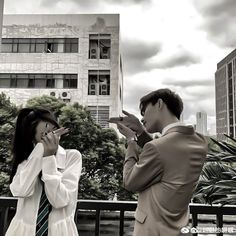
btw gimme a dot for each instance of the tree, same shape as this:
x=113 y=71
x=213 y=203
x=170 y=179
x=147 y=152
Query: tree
x=102 y=155
x=217 y=183
x=49 y=102
x=8 y=113
x=101 y=150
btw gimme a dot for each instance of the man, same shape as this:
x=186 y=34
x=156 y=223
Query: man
x=166 y=171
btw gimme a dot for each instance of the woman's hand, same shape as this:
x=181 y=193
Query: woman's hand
x=51 y=141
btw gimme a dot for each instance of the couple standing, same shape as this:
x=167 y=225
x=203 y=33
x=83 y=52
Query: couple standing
x=165 y=173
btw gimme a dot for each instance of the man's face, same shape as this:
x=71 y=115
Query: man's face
x=151 y=118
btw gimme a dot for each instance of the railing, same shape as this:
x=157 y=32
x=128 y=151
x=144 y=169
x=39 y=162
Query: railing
x=121 y=206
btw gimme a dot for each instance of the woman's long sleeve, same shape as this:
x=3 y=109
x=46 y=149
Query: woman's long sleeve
x=27 y=173
x=60 y=187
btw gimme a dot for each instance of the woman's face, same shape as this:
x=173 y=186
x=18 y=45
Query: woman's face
x=43 y=128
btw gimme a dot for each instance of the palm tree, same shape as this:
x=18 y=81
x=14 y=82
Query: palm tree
x=217 y=183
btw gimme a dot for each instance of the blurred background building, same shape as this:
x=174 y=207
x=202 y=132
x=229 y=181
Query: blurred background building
x=201 y=122
x=225 y=78
x=73 y=57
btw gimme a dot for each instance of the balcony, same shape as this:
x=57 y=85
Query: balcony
x=95 y=218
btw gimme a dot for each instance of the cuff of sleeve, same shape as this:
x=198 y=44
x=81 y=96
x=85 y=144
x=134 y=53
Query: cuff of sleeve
x=143 y=138
x=132 y=150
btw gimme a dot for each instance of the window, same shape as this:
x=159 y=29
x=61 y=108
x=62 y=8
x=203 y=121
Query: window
x=23 y=45
x=13 y=81
x=39 y=45
x=100 y=115
x=7 y=45
x=70 y=81
x=229 y=70
x=99 y=82
x=99 y=46
x=31 y=81
x=50 y=82
x=22 y=81
x=71 y=45
x=38 y=81
x=5 y=81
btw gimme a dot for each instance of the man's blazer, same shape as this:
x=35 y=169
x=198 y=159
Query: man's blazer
x=165 y=175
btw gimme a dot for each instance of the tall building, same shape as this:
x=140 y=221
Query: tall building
x=1 y=19
x=225 y=78
x=201 y=122
x=72 y=57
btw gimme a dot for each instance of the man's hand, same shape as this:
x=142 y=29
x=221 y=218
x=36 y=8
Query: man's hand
x=130 y=121
x=127 y=132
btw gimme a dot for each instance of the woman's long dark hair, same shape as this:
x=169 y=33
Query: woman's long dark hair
x=23 y=143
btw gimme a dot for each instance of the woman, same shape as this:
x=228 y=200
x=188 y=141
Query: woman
x=44 y=177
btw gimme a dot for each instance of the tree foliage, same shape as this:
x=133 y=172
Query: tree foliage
x=102 y=151
x=217 y=183
x=8 y=112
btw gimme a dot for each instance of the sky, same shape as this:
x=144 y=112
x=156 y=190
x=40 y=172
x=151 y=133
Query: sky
x=164 y=44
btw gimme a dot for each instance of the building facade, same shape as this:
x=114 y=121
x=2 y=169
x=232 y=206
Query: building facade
x=1 y=20
x=201 y=122
x=72 y=57
x=225 y=82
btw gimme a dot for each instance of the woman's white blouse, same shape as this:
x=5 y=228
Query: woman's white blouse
x=60 y=174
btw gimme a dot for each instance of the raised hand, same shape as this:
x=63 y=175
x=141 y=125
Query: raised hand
x=127 y=132
x=130 y=120
x=51 y=141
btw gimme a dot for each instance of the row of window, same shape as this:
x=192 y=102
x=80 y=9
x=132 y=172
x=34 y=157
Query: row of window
x=99 y=45
x=38 y=80
x=98 y=81
x=39 y=45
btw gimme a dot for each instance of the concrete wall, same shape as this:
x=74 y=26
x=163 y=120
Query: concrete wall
x=60 y=26
x=1 y=20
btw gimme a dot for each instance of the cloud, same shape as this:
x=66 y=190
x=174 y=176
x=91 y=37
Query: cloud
x=136 y=55
x=179 y=58
x=219 y=20
x=189 y=83
x=133 y=95
x=141 y=56
x=91 y=4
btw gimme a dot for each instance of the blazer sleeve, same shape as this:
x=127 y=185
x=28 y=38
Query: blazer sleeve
x=61 y=187
x=141 y=171
x=143 y=138
x=23 y=183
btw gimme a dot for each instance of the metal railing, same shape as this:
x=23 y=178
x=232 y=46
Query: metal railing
x=7 y=203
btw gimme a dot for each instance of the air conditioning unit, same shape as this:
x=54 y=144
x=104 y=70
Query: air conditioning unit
x=54 y=94
x=93 y=50
x=92 y=89
x=104 y=88
x=65 y=95
x=105 y=53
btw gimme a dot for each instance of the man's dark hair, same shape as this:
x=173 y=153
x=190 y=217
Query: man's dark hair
x=172 y=100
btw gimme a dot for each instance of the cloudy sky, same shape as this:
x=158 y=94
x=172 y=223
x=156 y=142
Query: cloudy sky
x=165 y=43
